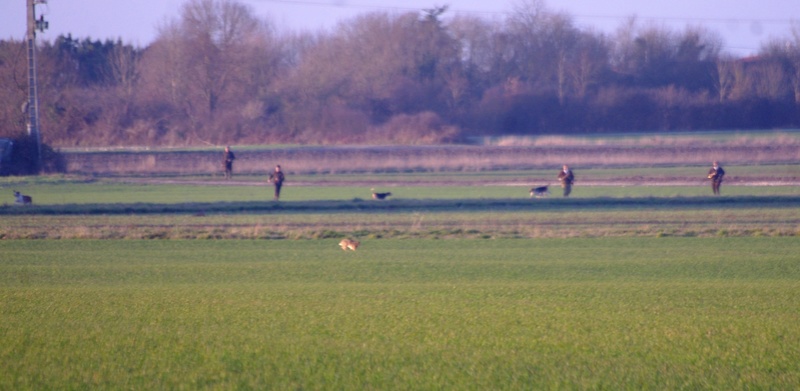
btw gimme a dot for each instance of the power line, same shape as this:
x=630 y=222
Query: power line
x=692 y=19
x=346 y=4
x=341 y=4
x=666 y=19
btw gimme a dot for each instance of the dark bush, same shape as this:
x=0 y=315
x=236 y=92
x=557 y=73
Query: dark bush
x=23 y=159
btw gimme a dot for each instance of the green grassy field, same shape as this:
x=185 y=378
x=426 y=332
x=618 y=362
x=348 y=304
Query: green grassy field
x=73 y=207
x=55 y=190
x=457 y=284
x=612 y=313
x=175 y=194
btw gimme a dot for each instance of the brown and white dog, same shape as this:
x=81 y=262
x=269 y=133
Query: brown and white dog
x=349 y=244
x=22 y=199
x=540 y=191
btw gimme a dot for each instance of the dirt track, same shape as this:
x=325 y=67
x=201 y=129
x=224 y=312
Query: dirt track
x=332 y=160
x=619 y=181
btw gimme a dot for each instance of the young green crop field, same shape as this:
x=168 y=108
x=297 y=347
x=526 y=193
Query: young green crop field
x=602 y=313
x=640 y=280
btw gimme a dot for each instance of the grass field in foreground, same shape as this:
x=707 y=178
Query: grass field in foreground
x=613 y=313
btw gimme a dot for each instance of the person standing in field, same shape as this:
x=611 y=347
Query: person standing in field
x=277 y=179
x=715 y=174
x=566 y=177
x=227 y=162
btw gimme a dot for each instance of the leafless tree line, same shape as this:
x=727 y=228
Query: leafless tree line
x=217 y=74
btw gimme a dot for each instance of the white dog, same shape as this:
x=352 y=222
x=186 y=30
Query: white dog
x=22 y=199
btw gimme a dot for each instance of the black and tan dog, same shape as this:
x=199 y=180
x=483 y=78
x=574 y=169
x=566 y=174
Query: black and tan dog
x=540 y=191
x=379 y=196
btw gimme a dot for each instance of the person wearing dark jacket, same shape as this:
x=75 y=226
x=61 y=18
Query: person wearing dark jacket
x=227 y=162
x=715 y=174
x=567 y=178
x=277 y=179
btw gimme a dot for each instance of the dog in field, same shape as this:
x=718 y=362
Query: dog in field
x=379 y=196
x=349 y=244
x=540 y=191
x=22 y=199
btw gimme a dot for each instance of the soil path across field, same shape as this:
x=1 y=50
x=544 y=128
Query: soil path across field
x=617 y=181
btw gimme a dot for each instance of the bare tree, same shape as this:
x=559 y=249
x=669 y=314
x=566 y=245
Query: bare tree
x=725 y=78
x=590 y=60
x=381 y=65
x=13 y=75
x=213 y=64
x=794 y=57
x=216 y=33
x=124 y=66
x=770 y=80
x=786 y=52
x=163 y=69
x=546 y=47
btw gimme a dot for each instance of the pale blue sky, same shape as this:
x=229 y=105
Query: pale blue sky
x=743 y=24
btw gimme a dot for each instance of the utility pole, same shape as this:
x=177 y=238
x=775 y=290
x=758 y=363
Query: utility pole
x=33 y=99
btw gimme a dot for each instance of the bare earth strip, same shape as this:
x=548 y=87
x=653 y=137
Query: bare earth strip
x=426 y=158
x=692 y=216
x=620 y=181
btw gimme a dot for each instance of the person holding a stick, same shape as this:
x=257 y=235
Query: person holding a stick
x=715 y=174
x=567 y=178
x=277 y=179
x=227 y=162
